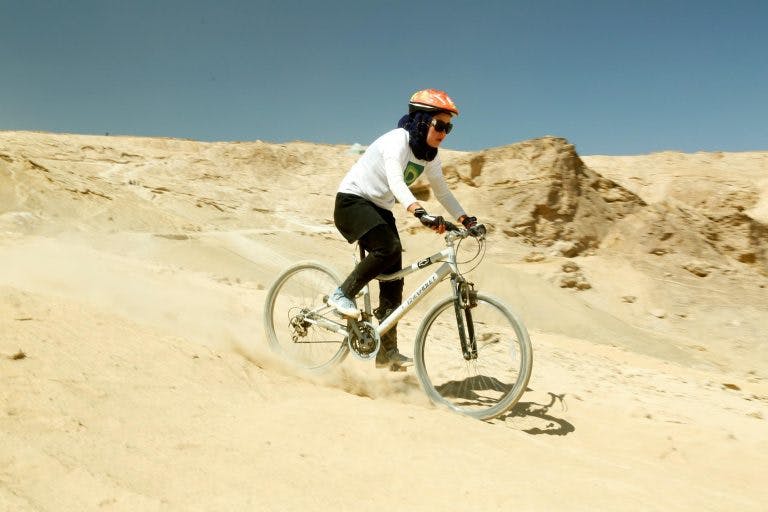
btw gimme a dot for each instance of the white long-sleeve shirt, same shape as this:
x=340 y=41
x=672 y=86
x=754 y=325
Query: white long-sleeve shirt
x=388 y=167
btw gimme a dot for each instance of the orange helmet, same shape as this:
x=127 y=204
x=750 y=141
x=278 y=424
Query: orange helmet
x=432 y=100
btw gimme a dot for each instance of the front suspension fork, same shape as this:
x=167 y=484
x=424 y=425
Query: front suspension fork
x=466 y=299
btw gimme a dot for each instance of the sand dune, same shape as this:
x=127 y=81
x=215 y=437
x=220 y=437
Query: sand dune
x=134 y=373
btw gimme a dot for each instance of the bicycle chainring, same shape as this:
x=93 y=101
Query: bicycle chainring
x=363 y=340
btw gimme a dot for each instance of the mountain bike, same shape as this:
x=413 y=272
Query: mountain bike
x=471 y=352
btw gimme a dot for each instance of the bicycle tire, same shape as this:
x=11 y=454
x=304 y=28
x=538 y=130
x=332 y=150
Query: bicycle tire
x=485 y=387
x=303 y=287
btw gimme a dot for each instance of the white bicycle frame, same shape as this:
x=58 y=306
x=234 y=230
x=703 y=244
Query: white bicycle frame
x=449 y=267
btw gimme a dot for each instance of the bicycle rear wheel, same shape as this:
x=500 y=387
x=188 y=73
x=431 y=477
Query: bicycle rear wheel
x=300 y=325
x=483 y=387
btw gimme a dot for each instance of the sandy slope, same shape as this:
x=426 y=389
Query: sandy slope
x=134 y=376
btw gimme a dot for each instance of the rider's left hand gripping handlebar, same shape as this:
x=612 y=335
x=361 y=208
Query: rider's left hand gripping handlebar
x=473 y=228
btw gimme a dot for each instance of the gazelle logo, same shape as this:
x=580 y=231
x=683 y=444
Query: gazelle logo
x=421 y=289
x=423 y=263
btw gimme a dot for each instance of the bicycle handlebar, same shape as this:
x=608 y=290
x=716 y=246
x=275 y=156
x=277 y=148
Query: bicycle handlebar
x=454 y=231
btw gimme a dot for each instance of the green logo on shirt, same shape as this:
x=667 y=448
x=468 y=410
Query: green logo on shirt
x=411 y=172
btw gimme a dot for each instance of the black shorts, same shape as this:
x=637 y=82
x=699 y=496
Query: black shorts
x=354 y=216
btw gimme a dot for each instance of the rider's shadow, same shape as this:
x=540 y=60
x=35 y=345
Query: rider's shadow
x=548 y=424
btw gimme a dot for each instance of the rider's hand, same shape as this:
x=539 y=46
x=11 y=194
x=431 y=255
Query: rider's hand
x=476 y=230
x=437 y=223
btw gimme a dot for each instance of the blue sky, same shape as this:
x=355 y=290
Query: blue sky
x=613 y=77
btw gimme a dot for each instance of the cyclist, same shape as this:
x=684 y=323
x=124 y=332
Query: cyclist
x=367 y=194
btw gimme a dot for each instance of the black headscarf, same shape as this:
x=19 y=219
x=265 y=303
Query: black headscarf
x=417 y=125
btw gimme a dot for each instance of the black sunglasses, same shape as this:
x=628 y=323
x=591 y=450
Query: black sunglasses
x=442 y=126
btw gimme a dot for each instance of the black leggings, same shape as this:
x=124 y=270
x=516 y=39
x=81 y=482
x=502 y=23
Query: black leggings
x=382 y=243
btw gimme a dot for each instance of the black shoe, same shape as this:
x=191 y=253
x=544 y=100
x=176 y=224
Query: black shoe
x=392 y=359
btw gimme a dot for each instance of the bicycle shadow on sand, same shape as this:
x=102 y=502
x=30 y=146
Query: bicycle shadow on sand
x=536 y=419
x=530 y=417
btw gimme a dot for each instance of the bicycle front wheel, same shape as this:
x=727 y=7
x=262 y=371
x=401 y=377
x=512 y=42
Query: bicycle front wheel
x=483 y=386
x=300 y=325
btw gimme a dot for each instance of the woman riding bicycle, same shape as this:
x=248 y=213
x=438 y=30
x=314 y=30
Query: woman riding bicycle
x=367 y=194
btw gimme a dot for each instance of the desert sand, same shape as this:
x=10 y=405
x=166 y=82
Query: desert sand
x=135 y=375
